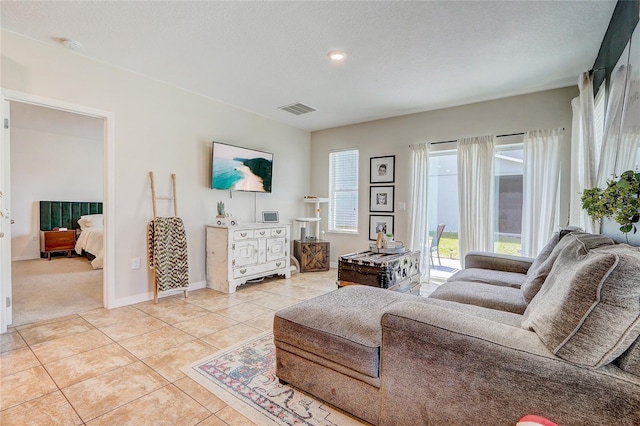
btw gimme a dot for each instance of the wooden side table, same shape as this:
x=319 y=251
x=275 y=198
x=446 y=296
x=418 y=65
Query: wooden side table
x=52 y=241
x=313 y=255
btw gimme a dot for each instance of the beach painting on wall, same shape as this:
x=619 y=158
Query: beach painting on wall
x=240 y=169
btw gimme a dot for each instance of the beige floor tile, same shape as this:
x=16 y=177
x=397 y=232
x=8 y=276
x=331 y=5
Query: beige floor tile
x=15 y=361
x=53 y=350
x=203 y=294
x=172 y=313
x=11 y=340
x=249 y=294
x=156 y=341
x=244 y=311
x=168 y=363
x=212 y=420
x=99 y=395
x=276 y=301
x=205 y=324
x=40 y=332
x=233 y=418
x=71 y=370
x=262 y=323
x=230 y=336
x=25 y=386
x=217 y=303
x=50 y=409
x=300 y=292
x=167 y=406
x=200 y=394
x=134 y=327
x=102 y=317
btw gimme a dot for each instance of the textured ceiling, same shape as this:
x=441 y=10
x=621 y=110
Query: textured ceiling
x=403 y=57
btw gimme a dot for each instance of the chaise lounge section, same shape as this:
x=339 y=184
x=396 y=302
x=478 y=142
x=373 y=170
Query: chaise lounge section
x=572 y=355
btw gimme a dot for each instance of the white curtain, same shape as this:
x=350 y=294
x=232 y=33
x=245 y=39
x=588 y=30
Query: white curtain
x=613 y=122
x=418 y=227
x=540 y=188
x=628 y=150
x=584 y=153
x=475 y=194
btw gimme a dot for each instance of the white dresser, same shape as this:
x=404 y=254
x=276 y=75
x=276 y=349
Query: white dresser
x=236 y=254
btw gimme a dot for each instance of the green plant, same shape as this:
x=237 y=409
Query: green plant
x=618 y=201
x=220 y=208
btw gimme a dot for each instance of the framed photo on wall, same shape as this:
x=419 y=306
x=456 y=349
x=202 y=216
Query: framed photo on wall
x=383 y=169
x=381 y=199
x=380 y=223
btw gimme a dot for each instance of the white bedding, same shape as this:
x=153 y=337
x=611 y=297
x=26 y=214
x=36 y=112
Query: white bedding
x=91 y=240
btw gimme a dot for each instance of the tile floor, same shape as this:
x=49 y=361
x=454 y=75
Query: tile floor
x=122 y=366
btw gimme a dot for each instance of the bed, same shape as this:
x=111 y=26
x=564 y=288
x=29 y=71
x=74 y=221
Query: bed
x=83 y=217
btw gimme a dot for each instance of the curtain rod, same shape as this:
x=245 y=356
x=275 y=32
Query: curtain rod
x=498 y=136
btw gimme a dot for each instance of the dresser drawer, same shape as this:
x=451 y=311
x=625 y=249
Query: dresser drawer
x=242 y=234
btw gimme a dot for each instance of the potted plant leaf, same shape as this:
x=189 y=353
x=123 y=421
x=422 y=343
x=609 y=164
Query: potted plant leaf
x=618 y=201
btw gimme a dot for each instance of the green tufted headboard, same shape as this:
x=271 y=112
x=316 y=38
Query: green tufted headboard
x=65 y=214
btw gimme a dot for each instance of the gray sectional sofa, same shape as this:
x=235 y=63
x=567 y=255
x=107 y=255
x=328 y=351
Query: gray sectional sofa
x=555 y=336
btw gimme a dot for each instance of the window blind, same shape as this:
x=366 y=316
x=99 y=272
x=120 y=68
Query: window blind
x=343 y=191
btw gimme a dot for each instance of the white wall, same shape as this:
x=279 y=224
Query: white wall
x=58 y=164
x=166 y=130
x=542 y=110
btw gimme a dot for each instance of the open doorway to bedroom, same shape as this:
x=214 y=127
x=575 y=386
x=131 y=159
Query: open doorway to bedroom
x=55 y=156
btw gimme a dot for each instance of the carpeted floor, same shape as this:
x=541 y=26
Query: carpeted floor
x=244 y=377
x=43 y=289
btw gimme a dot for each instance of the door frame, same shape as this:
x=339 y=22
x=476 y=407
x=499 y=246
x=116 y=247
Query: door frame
x=108 y=190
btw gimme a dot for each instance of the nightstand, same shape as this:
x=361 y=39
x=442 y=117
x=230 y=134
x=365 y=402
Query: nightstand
x=52 y=241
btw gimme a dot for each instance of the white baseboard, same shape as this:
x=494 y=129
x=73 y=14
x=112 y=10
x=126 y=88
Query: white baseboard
x=14 y=259
x=145 y=297
x=333 y=264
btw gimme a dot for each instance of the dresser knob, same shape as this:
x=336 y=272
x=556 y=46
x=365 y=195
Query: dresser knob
x=243 y=271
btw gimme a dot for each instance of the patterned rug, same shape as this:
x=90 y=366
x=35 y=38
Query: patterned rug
x=244 y=377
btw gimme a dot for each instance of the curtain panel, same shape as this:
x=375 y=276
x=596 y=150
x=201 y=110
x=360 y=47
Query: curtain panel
x=612 y=127
x=584 y=153
x=418 y=225
x=475 y=194
x=540 y=188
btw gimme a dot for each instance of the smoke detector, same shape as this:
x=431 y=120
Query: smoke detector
x=71 y=44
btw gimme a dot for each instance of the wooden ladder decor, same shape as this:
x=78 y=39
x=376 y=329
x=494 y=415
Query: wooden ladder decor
x=154 y=198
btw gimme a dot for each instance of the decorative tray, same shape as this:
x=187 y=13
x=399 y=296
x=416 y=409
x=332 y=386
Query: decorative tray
x=395 y=250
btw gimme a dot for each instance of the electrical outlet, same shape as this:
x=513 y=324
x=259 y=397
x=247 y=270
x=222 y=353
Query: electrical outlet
x=34 y=238
x=402 y=206
x=135 y=263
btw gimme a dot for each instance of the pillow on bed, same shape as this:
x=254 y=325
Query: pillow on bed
x=90 y=221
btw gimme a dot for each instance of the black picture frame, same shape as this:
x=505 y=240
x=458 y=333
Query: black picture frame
x=381 y=199
x=382 y=169
x=380 y=223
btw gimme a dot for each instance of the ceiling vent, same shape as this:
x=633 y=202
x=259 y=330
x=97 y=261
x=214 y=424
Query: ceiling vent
x=297 y=108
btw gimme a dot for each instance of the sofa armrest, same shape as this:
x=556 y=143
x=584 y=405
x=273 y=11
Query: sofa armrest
x=444 y=367
x=498 y=262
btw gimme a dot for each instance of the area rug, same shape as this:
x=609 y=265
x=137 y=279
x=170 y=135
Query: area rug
x=244 y=377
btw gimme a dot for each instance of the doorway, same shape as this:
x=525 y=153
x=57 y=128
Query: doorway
x=55 y=155
x=107 y=119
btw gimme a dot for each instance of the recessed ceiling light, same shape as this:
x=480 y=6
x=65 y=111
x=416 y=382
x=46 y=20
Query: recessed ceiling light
x=71 y=44
x=337 y=55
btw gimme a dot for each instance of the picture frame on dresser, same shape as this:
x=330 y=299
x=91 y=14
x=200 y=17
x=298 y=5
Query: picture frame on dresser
x=380 y=223
x=381 y=199
x=382 y=169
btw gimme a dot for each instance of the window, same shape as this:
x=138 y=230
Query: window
x=508 y=170
x=343 y=191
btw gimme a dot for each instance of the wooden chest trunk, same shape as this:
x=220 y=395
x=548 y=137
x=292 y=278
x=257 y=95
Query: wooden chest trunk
x=397 y=272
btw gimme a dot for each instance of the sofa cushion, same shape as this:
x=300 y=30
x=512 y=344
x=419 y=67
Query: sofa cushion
x=486 y=295
x=587 y=311
x=578 y=242
x=489 y=276
x=350 y=336
x=630 y=360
